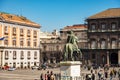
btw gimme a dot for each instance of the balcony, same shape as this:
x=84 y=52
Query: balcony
x=6 y=58
x=14 y=58
x=101 y=47
x=35 y=57
x=14 y=33
x=107 y=30
x=22 y=57
x=21 y=34
x=29 y=57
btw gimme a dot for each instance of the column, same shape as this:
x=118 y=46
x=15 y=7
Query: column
x=119 y=57
x=108 y=58
x=1 y=57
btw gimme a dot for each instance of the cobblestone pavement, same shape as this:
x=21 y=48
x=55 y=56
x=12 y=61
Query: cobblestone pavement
x=33 y=74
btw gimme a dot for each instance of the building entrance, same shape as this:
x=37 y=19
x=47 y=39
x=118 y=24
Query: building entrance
x=114 y=58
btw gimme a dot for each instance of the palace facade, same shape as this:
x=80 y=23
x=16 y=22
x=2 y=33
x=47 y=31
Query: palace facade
x=104 y=37
x=20 y=48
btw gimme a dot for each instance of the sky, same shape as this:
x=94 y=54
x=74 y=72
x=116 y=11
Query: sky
x=56 y=14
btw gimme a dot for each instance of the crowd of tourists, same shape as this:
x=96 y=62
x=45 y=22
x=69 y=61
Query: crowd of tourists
x=103 y=74
x=49 y=76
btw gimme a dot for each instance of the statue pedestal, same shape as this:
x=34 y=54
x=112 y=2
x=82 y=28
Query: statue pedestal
x=70 y=70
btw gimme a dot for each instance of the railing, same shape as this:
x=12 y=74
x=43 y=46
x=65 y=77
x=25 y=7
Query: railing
x=103 y=30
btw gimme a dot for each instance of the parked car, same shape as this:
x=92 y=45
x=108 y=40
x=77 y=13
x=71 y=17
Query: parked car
x=11 y=69
x=5 y=67
x=34 y=67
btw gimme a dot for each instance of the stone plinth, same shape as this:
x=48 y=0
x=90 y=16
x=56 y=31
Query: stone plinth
x=70 y=70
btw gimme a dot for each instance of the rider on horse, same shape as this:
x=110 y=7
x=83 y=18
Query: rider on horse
x=71 y=47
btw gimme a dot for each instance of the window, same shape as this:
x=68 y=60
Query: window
x=45 y=48
x=14 y=42
x=57 y=48
x=93 y=26
x=113 y=44
x=6 y=42
x=113 y=26
x=21 y=31
x=14 y=30
x=22 y=55
x=28 y=32
x=6 y=55
x=35 y=55
x=28 y=43
x=35 y=44
x=35 y=34
x=6 y=29
x=14 y=54
x=93 y=44
x=103 y=44
x=21 y=43
x=103 y=25
x=28 y=55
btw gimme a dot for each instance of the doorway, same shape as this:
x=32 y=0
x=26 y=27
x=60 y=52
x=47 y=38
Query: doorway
x=114 y=58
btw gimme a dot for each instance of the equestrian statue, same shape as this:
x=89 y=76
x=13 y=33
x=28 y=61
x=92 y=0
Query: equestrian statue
x=71 y=51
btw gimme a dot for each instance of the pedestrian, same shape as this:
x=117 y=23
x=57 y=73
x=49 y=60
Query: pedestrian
x=93 y=76
x=106 y=74
x=111 y=74
x=119 y=74
x=99 y=74
x=115 y=72
x=52 y=77
x=48 y=75
x=41 y=76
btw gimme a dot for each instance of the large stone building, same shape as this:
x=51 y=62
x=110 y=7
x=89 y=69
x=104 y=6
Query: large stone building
x=50 y=47
x=53 y=43
x=104 y=37
x=20 y=48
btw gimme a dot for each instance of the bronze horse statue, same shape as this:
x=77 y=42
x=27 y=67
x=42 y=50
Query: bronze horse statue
x=71 y=51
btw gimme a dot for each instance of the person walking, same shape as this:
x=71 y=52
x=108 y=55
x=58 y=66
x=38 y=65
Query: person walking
x=119 y=74
x=106 y=74
x=48 y=75
x=93 y=76
x=111 y=74
x=52 y=77
x=41 y=76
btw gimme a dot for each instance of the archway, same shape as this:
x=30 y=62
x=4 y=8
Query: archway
x=114 y=58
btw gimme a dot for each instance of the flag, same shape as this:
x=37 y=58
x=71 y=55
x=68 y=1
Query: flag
x=2 y=38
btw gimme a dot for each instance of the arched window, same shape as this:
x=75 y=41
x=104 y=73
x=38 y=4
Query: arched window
x=93 y=26
x=93 y=44
x=103 y=44
x=103 y=26
x=113 y=43
x=113 y=26
x=6 y=42
x=6 y=55
x=14 y=54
